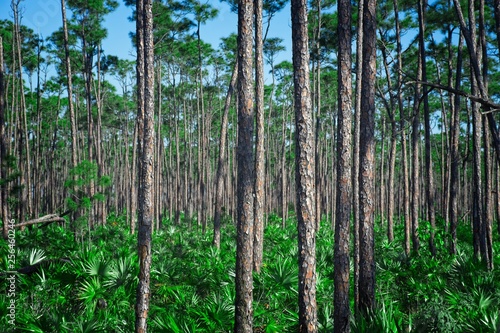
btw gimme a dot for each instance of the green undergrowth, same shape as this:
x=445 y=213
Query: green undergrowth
x=90 y=286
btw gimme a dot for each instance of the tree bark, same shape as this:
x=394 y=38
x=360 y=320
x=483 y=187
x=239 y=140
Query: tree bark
x=342 y=311
x=455 y=154
x=146 y=208
x=221 y=161
x=429 y=189
x=367 y=161
x=304 y=170
x=259 y=140
x=245 y=159
x=355 y=152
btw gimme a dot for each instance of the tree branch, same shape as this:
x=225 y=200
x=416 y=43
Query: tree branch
x=44 y=219
x=486 y=104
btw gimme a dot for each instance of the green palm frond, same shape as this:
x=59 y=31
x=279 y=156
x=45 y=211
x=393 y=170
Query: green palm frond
x=36 y=256
x=90 y=292
x=96 y=266
x=122 y=272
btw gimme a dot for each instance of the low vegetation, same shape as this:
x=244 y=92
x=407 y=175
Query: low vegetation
x=89 y=286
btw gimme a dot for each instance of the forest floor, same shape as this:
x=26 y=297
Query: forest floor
x=89 y=284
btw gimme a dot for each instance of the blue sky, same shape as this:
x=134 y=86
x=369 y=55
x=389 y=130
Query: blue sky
x=44 y=17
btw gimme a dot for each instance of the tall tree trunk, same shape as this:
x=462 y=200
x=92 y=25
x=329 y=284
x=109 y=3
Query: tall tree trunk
x=24 y=161
x=367 y=161
x=402 y=125
x=455 y=154
x=259 y=140
x=221 y=161
x=486 y=229
x=100 y=205
x=477 y=183
x=245 y=159
x=429 y=190
x=342 y=311
x=317 y=102
x=415 y=172
x=487 y=232
x=355 y=152
x=146 y=120
x=304 y=170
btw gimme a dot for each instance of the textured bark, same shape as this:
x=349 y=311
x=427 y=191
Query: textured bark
x=367 y=162
x=244 y=252
x=355 y=152
x=221 y=161
x=478 y=74
x=146 y=204
x=342 y=309
x=486 y=227
x=317 y=103
x=477 y=183
x=486 y=231
x=390 y=107
x=477 y=177
x=258 y=240
x=304 y=170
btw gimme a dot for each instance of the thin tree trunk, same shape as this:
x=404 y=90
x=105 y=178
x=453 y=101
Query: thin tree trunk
x=146 y=120
x=455 y=154
x=259 y=140
x=355 y=152
x=367 y=161
x=429 y=190
x=318 y=118
x=25 y=161
x=402 y=125
x=486 y=229
x=221 y=162
x=342 y=311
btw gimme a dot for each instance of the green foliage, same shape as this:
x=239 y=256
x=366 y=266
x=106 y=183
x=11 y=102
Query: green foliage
x=192 y=283
x=81 y=178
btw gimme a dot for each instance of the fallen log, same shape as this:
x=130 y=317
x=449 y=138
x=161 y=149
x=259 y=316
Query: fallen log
x=44 y=219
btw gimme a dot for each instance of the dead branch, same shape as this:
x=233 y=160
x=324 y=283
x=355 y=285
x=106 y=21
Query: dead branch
x=44 y=219
x=487 y=105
